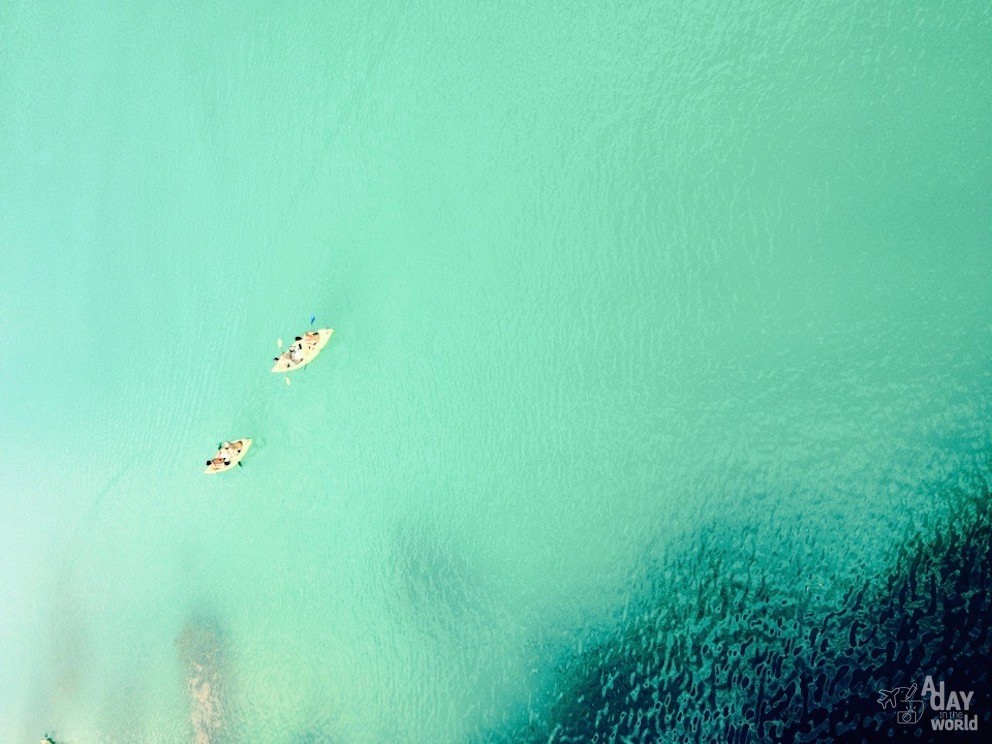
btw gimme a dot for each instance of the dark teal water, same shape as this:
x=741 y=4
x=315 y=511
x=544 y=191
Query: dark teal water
x=615 y=290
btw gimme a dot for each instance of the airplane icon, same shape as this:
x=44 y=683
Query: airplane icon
x=896 y=695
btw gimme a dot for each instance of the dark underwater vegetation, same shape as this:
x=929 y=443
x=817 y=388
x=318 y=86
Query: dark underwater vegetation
x=727 y=648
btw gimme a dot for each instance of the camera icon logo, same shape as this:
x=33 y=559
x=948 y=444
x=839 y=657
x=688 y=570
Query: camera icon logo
x=909 y=717
x=910 y=709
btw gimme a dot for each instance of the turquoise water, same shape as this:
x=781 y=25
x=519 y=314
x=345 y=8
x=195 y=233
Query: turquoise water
x=602 y=279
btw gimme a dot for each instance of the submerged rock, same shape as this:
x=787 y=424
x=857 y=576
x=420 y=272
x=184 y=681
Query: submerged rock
x=199 y=649
x=712 y=657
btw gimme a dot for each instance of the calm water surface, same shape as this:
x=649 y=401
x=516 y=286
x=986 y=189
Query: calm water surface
x=605 y=280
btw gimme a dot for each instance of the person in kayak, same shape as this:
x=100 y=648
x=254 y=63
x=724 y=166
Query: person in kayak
x=310 y=338
x=296 y=353
x=218 y=462
x=224 y=456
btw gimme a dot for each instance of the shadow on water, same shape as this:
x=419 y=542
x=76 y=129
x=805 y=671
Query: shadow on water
x=69 y=650
x=730 y=654
x=436 y=583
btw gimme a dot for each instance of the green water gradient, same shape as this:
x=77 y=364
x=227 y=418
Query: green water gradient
x=600 y=276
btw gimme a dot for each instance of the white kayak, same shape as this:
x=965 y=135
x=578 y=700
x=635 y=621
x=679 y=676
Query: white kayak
x=307 y=347
x=235 y=451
